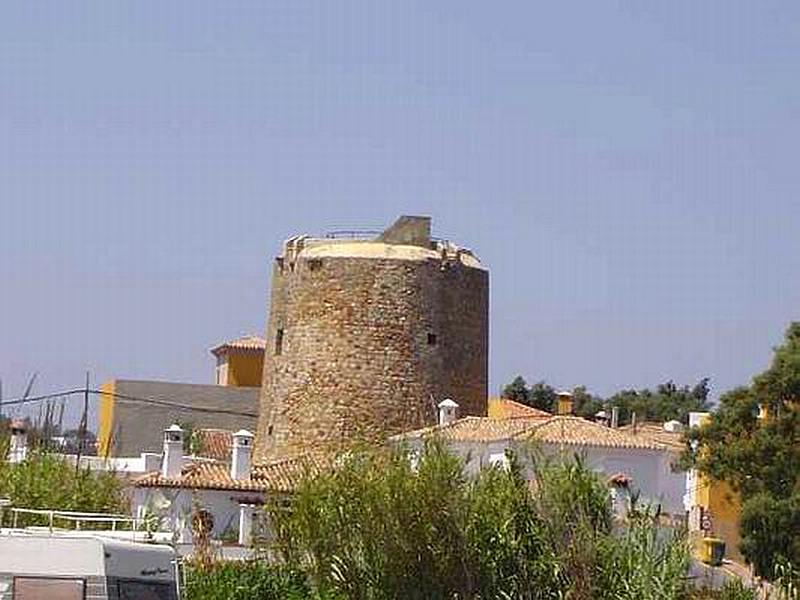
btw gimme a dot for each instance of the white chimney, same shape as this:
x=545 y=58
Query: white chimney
x=448 y=411
x=615 y=417
x=242 y=452
x=172 y=460
x=18 y=448
x=246 y=524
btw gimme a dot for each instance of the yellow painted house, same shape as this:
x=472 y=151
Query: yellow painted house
x=240 y=362
x=714 y=507
x=125 y=426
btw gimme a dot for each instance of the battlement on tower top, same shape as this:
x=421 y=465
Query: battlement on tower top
x=409 y=238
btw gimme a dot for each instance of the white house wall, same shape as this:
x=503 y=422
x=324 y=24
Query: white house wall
x=223 y=506
x=651 y=470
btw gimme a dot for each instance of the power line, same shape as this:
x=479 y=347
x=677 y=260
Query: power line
x=31 y=399
x=204 y=409
x=152 y=401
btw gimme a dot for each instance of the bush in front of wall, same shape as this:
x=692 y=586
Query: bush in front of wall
x=380 y=526
x=45 y=480
x=251 y=580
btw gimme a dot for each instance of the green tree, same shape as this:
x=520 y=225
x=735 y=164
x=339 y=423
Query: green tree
x=539 y=395
x=766 y=519
x=585 y=404
x=517 y=390
x=667 y=402
x=543 y=397
x=760 y=458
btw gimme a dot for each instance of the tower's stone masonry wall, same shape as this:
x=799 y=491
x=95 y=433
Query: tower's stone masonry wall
x=367 y=346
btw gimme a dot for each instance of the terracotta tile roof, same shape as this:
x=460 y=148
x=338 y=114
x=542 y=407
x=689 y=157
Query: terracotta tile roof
x=657 y=433
x=575 y=431
x=247 y=342
x=569 y=430
x=474 y=429
x=503 y=408
x=280 y=476
x=214 y=443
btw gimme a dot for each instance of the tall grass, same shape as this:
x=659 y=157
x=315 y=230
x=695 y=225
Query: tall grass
x=642 y=560
x=377 y=528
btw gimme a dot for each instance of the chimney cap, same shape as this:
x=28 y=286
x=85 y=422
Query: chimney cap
x=20 y=425
x=447 y=403
x=174 y=428
x=564 y=393
x=243 y=433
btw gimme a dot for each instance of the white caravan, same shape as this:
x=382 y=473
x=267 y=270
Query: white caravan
x=82 y=566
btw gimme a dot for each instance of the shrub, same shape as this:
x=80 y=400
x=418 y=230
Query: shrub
x=47 y=481
x=244 y=581
x=377 y=528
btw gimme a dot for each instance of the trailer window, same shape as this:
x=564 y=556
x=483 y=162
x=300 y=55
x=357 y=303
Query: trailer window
x=145 y=590
x=37 y=588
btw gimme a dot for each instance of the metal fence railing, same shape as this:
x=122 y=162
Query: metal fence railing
x=76 y=518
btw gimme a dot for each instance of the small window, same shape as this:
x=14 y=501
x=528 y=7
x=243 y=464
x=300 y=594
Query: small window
x=314 y=264
x=269 y=430
x=33 y=588
x=279 y=342
x=431 y=339
x=131 y=589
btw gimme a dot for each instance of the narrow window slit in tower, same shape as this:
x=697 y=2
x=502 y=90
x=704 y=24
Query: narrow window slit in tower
x=279 y=342
x=431 y=339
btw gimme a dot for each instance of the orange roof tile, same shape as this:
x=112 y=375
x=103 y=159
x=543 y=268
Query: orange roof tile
x=247 y=342
x=550 y=429
x=576 y=431
x=474 y=429
x=281 y=476
x=657 y=433
x=503 y=408
x=214 y=443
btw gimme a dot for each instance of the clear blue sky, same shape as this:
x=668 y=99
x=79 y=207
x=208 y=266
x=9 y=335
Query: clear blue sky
x=628 y=171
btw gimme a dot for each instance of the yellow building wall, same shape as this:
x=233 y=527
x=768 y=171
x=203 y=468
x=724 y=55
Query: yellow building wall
x=496 y=408
x=564 y=406
x=726 y=512
x=245 y=369
x=725 y=508
x=105 y=419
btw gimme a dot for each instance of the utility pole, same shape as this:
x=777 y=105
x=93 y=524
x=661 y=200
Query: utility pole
x=83 y=425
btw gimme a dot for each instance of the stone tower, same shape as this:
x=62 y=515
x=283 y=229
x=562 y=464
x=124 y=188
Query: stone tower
x=365 y=336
